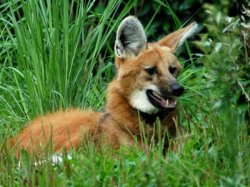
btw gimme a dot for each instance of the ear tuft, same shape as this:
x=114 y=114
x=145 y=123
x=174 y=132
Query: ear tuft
x=130 y=38
x=176 y=39
x=192 y=30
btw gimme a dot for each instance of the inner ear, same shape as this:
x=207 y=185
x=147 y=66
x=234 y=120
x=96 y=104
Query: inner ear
x=130 y=38
x=176 y=39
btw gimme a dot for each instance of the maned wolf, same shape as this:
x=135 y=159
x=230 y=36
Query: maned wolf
x=144 y=89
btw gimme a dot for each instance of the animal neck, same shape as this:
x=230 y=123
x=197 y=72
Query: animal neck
x=150 y=119
x=120 y=110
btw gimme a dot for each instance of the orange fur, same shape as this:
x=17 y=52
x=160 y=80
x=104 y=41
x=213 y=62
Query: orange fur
x=120 y=123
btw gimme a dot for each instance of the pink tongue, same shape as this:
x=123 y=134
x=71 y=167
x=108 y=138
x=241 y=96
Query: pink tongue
x=165 y=103
x=162 y=102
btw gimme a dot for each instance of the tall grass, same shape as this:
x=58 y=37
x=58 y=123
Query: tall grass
x=59 y=54
x=54 y=50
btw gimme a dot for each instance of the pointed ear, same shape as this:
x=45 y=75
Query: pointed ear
x=130 y=38
x=175 y=39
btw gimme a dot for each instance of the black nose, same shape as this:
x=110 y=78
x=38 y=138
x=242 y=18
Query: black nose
x=177 y=90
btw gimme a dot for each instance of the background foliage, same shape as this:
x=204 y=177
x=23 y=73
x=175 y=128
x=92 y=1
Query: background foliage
x=59 y=54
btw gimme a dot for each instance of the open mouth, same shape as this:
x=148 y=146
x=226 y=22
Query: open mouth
x=160 y=101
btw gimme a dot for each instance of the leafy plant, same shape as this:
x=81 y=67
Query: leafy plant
x=227 y=62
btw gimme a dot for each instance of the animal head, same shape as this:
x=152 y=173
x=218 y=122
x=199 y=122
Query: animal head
x=147 y=72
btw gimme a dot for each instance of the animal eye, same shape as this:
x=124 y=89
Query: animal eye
x=151 y=70
x=172 y=70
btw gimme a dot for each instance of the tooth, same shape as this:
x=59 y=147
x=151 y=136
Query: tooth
x=167 y=102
